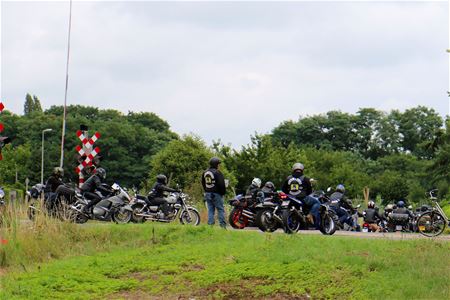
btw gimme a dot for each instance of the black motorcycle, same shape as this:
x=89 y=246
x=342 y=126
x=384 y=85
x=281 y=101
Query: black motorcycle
x=178 y=208
x=268 y=216
x=55 y=205
x=294 y=217
x=115 y=207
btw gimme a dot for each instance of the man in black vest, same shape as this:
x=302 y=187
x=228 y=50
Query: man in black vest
x=299 y=186
x=214 y=186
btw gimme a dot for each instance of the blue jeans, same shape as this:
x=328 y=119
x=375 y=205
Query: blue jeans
x=215 y=201
x=342 y=214
x=314 y=205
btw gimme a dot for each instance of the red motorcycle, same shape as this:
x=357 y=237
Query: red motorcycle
x=243 y=213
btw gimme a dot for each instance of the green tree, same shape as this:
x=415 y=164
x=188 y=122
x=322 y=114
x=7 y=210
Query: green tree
x=183 y=162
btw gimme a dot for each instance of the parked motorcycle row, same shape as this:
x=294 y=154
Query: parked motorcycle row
x=117 y=205
x=282 y=211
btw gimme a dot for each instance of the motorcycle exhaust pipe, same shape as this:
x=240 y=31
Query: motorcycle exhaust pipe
x=248 y=216
x=159 y=220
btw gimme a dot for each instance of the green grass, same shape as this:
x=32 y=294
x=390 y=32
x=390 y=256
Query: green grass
x=168 y=261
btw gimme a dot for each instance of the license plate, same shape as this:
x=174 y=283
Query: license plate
x=365 y=229
x=398 y=227
x=422 y=228
x=285 y=203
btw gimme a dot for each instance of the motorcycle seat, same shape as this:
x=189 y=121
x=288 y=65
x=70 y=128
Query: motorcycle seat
x=140 y=197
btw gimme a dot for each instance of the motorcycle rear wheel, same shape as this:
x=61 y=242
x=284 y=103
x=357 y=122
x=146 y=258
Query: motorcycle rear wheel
x=327 y=224
x=190 y=217
x=291 y=221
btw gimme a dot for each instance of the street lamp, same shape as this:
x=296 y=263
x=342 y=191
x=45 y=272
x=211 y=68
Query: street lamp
x=42 y=159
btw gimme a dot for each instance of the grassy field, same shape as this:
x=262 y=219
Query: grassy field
x=148 y=261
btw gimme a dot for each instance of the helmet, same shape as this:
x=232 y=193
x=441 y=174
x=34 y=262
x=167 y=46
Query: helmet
x=371 y=204
x=256 y=182
x=101 y=173
x=340 y=188
x=58 y=171
x=298 y=167
x=214 y=162
x=161 y=178
x=270 y=185
x=400 y=204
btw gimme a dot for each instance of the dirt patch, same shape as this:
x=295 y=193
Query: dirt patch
x=192 y=267
x=241 y=290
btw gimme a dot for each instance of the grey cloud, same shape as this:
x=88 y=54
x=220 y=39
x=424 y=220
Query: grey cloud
x=226 y=70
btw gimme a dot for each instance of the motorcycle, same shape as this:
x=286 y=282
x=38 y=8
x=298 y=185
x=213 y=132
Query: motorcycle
x=399 y=222
x=294 y=217
x=351 y=224
x=56 y=205
x=268 y=213
x=178 y=208
x=244 y=211
x=115 y=207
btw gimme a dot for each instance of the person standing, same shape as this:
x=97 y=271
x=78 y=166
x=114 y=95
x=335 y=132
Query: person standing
x=214 y=186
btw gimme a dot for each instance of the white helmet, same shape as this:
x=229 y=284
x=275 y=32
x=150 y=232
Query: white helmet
x=256 y=182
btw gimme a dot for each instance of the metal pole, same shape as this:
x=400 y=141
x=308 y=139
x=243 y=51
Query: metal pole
x=42 y=154
x=42 y=158
x=61 y=164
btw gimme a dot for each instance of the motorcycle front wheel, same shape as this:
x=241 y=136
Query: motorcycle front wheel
x=265 y=221
x=135 y=218
x=190 y=217
x=121 y=216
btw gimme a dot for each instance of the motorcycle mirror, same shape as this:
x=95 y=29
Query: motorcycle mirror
x=358 y=206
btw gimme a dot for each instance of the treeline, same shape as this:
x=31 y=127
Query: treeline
x=398 y=155
x=127 y=142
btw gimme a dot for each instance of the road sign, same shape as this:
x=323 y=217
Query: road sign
x=3 y=139
x=86 y=151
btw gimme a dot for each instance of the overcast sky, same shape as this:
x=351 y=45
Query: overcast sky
x=225 y=70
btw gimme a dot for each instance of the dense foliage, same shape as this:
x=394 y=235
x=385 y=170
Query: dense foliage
x=398 y=155
x=127 y=142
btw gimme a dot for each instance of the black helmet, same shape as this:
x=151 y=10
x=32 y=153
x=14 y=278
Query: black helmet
x=214 y=162
x=161 y=178
x=400 y=204
x=58 y=171
x=298 y=167
x=340 y=188
x=101 y=173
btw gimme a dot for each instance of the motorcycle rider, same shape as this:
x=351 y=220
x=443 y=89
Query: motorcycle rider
x=93 y=184
x=340 y=204
x=156 y=195
x=268 y=189
x=299 y=186
x=52 y=183
x=254 y=190
x=214 y=186
x=372 y=217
